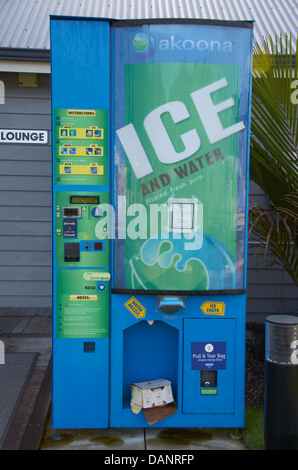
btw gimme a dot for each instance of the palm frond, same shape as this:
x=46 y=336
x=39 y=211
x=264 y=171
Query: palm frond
x=274 y=152
x=274 y=234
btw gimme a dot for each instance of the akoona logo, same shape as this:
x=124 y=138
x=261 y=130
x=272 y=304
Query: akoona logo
x=143 y=44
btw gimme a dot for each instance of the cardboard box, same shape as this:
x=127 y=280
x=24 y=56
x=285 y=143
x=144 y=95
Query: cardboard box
x=154 y=397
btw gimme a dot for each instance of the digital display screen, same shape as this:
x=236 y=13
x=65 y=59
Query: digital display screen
x=84 y=199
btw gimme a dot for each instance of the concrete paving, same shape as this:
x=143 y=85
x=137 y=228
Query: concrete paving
x=27 y=334
x=150 y=439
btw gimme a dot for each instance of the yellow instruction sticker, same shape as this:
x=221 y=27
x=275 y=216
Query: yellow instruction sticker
x=92 y=132
x=134 y=306
x=81 y=151
x=92 y=169
x=213 y=308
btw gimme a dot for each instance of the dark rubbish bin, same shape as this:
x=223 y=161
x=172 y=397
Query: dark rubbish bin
x=281 y=383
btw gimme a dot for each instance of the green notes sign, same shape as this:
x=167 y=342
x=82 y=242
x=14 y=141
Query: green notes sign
x=82 y=303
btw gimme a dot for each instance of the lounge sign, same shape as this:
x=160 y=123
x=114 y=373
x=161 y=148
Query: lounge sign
x=20 y=136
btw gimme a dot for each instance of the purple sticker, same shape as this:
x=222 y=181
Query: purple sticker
x=208 y=355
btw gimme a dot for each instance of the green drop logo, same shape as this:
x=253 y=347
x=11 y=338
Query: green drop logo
x=140 y=42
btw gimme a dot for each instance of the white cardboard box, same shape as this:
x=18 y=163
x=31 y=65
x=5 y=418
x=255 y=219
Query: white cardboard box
x=150 y=394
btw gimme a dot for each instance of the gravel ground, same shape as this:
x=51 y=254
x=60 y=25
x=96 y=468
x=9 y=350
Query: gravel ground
x=255 y=364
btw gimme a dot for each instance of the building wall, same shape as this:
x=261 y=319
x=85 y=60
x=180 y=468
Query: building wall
x=25 y=215
x=25 y=198
x=270 y=289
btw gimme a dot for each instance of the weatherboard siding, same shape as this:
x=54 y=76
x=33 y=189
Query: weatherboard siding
x=25 y=198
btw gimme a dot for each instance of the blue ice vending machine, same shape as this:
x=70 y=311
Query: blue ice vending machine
x=151 y=124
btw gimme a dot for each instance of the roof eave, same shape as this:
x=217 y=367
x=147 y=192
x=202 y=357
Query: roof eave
x=18 y=54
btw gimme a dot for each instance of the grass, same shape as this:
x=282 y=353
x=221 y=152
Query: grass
x=253 y=433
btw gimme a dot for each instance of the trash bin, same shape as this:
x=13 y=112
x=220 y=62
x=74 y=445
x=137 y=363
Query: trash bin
x=281 y=383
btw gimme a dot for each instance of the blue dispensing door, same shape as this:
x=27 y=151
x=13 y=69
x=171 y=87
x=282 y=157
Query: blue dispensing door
x=171 y=216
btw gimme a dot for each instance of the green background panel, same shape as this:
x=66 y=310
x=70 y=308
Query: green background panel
x=216 y=178
x=210 y=174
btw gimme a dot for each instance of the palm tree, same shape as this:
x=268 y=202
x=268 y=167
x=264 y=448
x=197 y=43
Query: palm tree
x=273 y=150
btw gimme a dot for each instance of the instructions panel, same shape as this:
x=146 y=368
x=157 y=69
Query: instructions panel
x=81 y=148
